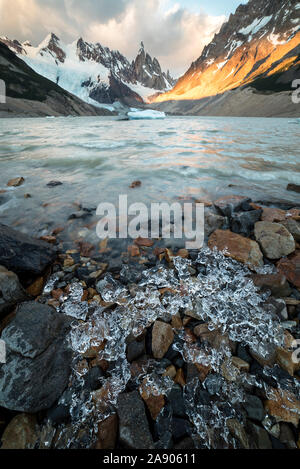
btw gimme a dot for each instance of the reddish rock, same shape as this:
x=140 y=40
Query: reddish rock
x=49 y=239
x=238 y=431
x=180 y=378
x=69 y=262
x=162 y=339
x=86 y=249
x=276 y=283
x=135 y=184
x=291 y=268
x=170 y=372
x=57 y=294
x=154 y=402
x=144 y=242
x=134 y=251
x=16 y=182
x=286 y=362
x=237 y=247
x=284 y=406
x=36 y=288
x=203 y=371
x=107 y=433
x=240 y=364
x=57 y=230
x=21 y=433
x=273 y=215
x=184 y=253
x=177 y=322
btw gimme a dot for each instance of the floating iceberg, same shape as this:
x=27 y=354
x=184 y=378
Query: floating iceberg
x=148 y=114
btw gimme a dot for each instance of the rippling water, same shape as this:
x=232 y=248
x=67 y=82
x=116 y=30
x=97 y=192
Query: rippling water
x=98 y=158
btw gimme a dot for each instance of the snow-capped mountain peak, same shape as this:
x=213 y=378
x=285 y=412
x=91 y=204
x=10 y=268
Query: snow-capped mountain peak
x=260 y=39
x=93 y=72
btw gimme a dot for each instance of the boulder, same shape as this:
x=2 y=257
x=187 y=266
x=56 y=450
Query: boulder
x=260 y=436
x=291 y=268
x=293 y=188
x=107 y=433
x=277 y=215
x=293 y=227
x=241 y=249
x=231 y=204
x=284 y=407
x=16 y=182
x=214 y=222
x=21 y=433
x=11 y=291
x=274 y=239
x=243 y=222
x=155 y=402
x=162 y=339
x=238 y=432
x=38 y=361
x=23 y=254
x=266 y=356
x=134 y=429
x=254 y=408
x=276 y=283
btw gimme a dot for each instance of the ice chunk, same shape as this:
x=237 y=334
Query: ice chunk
x=148 y=114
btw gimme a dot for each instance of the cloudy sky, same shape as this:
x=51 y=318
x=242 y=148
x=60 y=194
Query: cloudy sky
x=174 y=31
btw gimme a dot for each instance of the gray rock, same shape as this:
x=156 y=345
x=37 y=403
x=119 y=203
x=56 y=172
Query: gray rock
x=21 y=433
x=214 y=384
x=287 y=436
x=266 y=356
x=135 y=350
x=133 y=423
x=38 y=359
x=274 y=239
x=232 y=204
x=254 y=408
x=11 y=291
x=214 y=222
x=23 y=254
x=243 y=223
x=177 y=401
x=293 y=227
x=260 y=436
x=54 y=183
x=276 y=283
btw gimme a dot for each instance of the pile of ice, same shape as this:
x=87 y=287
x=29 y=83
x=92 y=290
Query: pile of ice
x=214 y=289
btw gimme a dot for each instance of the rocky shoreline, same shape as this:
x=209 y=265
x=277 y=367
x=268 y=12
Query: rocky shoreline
x=158 y=348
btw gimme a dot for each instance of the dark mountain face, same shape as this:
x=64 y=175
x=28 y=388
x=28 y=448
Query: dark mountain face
x=260 y=41
x=148 y=72
x=23 y=83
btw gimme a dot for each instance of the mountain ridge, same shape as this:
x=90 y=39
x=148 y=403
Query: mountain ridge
x=29 y=94
x=93 y=72
x=259 y=41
